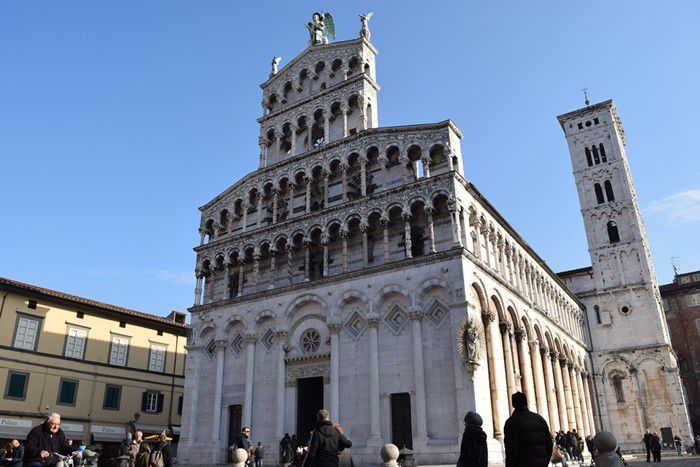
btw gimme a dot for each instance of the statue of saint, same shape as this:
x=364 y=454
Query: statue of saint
x=364 y=32
x=275 y=63
x=321 y=25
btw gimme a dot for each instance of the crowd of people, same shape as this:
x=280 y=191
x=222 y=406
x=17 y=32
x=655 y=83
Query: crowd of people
x=137 y=452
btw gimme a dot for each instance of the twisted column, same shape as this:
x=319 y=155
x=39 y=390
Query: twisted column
x=365 y=245
x=431 y=228
x=344 y=244
x=307 y=259
x=407 y=235
x=385 y=238
x=325 y=240
x=290 y=263
x=275 y=202
x=344 y=180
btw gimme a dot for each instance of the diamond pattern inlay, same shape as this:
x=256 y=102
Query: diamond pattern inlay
x=237 y=344
x=436 y=313
x=268 y=339
x=355 y=325
x=396 y=318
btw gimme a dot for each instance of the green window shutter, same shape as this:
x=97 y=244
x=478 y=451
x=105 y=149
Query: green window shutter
x=17 y=385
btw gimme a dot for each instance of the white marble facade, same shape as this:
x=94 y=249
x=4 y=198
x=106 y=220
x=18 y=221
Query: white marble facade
x=357 y=254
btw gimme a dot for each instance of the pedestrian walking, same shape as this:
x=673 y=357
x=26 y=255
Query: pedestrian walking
x=590 y=446
x=679 y=445
x=259 y=455
x=242 y=441
x=286 y=454
x=656 y=447
x=327 y=440
x=646 y=439
x=473 y=451
x=527 y=439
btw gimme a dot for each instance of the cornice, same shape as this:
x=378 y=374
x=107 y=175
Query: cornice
x=331 y=145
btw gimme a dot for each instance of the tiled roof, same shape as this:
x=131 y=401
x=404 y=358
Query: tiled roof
x=575 y=271
x=5 y=282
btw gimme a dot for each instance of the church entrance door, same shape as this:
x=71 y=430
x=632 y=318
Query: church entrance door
x=309 y=402
x=401 y=432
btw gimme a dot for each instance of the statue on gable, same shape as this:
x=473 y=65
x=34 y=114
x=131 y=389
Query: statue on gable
x=364 y=32
x=321 y=28
x=275 y=63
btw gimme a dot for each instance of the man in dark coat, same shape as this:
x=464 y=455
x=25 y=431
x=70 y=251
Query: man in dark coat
x=15 y=457
x=527 y=438
x=656 y=447
x=327 y=440
x=647 y=444
x=473 y=452
x=44 y=441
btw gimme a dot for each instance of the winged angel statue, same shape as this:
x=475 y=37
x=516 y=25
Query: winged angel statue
x=321 y=25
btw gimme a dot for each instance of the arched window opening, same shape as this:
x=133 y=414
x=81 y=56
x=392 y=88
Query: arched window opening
x=596 y=156
x=598 y=193
x=617 y=388
x=609 y=191
x=603 y=157
x=613 y=233
x=588 y=157
x=596 y=309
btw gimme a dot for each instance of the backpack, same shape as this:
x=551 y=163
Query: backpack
x=157 y=459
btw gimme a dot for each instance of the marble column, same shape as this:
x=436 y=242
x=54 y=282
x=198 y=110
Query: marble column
x=227 y=277
x=554 y=422
x=525 y=367
x=290 y=264
x=334 y=328
x=456 y=226
x=421 y=436
x=566 y=379
x=561 y=397
x=325 y=241
x=326 y=128
x=505 y=329
x=426 y=166
x=363 y=176
x=495 y=386
x=260 y=208
x=193 y=353
x=344 y=112
x=249 y=374
x=241 y=263
x=198 y=290
x=273 y=267
x=385 y=238
x=220 y=349
x=407 y=235
x=256 y=270
x=344 y=180
x=589 y=402
x=583 y=402
x=571 y=369
x=244 y=225
x=275 y=203
x=294 y=130
x=344 y=245
x=365 y=243
x=281 y=380
x=375 y=439
x=307 y=259
x=290 y=201
x=431 y=228
x=326 y=175
x=202 y=236
x=403 y=161
x=308 y=194
x=516 y=363
x=538 y=373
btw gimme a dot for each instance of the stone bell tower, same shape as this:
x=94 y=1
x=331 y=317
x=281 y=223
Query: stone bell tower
x=636 y=370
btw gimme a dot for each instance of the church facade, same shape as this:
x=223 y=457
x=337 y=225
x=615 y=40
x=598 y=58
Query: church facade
x=358 y=270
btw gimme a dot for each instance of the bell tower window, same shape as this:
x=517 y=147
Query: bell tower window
x=613 y=233
x=609 y=191
x=598 y=193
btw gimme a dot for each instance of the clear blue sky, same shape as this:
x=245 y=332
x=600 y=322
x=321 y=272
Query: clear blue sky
x=119 y=119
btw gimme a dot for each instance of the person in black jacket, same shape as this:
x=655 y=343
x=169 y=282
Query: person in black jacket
x=473 y=451
x=327 y=440
x=164 y=448
x=646 y=439
x=656 y=447
x=44 y=441
x=527 y=438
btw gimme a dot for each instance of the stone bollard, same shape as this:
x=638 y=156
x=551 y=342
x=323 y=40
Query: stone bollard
x=239 y=457
x=605 y=443
x=389 y=453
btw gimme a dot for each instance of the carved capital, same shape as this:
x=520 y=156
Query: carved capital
x=505 y=327
x=250 y=338
x=416 y=314
x=488 y=317
x=334 y=327
x=518 y=334
x=553 y=355
x=372 y=320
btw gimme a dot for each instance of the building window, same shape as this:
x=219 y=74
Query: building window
x=694 y=299
x=617 y=388
x=27 y=332
x=179 y=405
x=609 y=191
x=310 y=341
x=119 y=350
x=67 y=392
x=625 y=310
x=152 y=402
x=588 y=156
x=113 y=396
x=682 y=364
x=598 y=193
x=596 y=156
x=75 y=343
x=16 y=387
x=596 y=309
x=613 y=233
x=603 y=157
x=156 y=362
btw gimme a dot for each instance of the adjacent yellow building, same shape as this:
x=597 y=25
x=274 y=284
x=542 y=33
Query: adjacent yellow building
x=105 y=369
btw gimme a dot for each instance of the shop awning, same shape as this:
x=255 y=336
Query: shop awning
x=15 y=427
x=72 y=430
x=108 y=433
x=152 y=429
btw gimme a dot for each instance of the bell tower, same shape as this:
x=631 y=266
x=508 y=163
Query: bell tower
x=632 y=354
